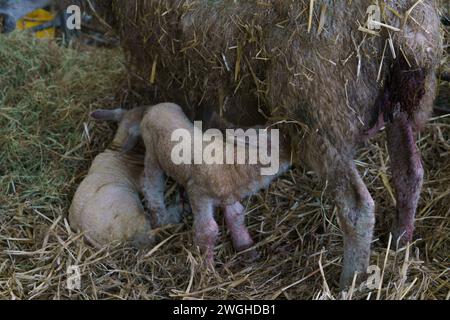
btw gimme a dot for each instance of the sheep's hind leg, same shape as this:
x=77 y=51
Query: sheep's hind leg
x=356 y=215
x=235 y=221
x=356 y=208
x=407 y=174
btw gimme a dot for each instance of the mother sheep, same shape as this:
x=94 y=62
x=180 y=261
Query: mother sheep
x=332 y=76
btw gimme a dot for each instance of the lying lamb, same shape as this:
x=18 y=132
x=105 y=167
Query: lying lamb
x=207 y=185
x=106 y=205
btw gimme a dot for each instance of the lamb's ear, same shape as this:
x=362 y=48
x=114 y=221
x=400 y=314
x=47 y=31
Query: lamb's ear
x=132 y=139
x=105 y=114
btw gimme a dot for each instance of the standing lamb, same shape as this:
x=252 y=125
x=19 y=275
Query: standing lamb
x=208 y=185
x=318 y=64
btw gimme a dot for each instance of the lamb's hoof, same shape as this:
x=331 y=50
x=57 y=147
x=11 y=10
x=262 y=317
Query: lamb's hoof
x=251 y=256
x=248 y=254
x=174 y=215
x=208 y=266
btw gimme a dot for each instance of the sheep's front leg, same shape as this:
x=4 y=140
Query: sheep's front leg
x=206 y=229
x=407 y=174
x=235 y=221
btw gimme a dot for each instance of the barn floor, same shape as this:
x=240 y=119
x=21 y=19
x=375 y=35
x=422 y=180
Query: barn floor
x=47 y=143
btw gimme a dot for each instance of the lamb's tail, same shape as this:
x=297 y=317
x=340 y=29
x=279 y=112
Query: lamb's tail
x=132 y=139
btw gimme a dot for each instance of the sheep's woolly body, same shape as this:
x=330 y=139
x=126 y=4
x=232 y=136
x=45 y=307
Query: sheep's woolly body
x=259 y=54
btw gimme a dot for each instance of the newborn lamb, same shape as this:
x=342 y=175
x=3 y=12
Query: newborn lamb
x=207 y=185
x=106 y=205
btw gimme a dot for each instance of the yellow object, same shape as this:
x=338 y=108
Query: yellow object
x=37 y=18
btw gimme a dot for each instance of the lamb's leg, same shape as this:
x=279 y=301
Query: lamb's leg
x=153 y=188
x=235 y=221
x=407 y=174
x=206 y=229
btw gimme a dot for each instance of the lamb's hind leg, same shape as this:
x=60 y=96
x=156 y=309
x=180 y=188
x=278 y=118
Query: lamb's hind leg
x=235 y=221
x=153 y=188
x=407 y=174
x=206 y=230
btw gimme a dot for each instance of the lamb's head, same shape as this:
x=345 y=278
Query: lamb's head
x=128 y=131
